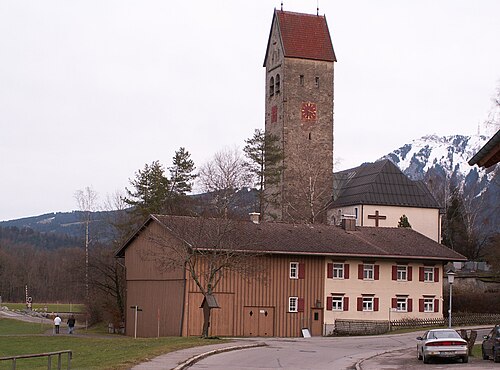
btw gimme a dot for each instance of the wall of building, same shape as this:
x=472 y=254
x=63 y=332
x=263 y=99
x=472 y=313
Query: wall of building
x=384 y=289
x=426 y=221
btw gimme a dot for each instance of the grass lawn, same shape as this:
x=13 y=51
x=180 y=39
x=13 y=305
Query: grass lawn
x=92 y=351
x=51 y=307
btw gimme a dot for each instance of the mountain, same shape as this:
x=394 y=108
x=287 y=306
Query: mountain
x=441 y=162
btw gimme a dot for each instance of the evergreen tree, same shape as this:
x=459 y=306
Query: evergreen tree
x=180 y=182
x=265 y=163
x=403 y=222
x=150 y=191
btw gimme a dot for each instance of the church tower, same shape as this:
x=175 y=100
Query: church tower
x=299 y=66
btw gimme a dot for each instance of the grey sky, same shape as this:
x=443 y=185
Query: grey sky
x=90 y=91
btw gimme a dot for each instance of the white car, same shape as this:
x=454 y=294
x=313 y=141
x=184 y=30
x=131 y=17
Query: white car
x=443 y=343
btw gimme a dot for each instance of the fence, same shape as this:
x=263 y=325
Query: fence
x=48 y=355
x=456 y=320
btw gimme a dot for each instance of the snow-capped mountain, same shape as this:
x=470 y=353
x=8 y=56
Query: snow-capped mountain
x=441 y=162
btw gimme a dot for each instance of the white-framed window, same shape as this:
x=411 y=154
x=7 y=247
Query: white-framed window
x=293 y=304
x=337 y=303
x=402 y=273
x=429 y=274
x=367 y=303
x=294 y=270
x=338 y=270
x=428 y=304
x=368 y=271
x=402 y=304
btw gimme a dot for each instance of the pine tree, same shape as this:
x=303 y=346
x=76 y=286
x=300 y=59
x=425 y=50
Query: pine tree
x=265 y=163
x=403 y=222
x=181 y=180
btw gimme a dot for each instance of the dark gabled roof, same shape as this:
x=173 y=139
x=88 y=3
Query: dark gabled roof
x=323 y=240
x=489 y=154
x=304 y=36
x=380 y=183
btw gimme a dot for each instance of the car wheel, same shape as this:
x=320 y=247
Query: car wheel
x=465 y=359
x=496 y=356
x=426 y=359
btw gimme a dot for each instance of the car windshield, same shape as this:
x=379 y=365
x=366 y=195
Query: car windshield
x=443 y=334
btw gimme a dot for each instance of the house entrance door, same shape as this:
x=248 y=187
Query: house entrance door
x=316 y=321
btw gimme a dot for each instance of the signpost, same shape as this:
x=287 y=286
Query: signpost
x=136 y=309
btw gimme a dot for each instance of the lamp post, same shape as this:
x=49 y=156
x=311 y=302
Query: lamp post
x=451 y=278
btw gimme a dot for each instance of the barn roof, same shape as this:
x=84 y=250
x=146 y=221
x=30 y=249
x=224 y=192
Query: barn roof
x=281 y=238
x=304 y=36
x=380 y=183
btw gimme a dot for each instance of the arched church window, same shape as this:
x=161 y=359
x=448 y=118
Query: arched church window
x=278 y=83
x=271 y=87
x=316 y=81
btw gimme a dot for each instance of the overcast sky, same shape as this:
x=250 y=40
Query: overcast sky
x=90 y=91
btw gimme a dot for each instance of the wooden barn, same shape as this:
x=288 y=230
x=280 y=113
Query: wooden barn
x=273 y=279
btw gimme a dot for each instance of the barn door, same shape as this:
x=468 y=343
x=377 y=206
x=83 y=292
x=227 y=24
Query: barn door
x=258 y=321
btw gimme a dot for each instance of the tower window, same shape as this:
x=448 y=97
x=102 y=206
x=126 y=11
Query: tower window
x=301 y=80
x=278 y=84
x=316 y=81
x=271 y=87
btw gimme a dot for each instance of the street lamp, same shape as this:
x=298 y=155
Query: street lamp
x=451 y=278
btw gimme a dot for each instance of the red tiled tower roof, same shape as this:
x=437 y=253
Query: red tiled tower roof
x=304 y=36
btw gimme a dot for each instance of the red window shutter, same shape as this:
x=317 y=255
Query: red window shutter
x=421 y=274
x=409 y=274
x=329 y=303
x=376 y=274
x=346 y=303
x=302 y=270
x=346 y=271
x=394 y=272
x=436 y=305
x=394 y=303
x=360 y=303
x=410 y=305
x=329 y=271
x=375 y=304
x=300 y=305
x=421 y=305
x=436 y=274
x=360 y=272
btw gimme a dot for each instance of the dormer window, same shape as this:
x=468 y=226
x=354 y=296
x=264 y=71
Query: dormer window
x=278 y=84
x=271 y=87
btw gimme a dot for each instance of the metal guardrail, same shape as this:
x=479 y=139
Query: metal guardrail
x=48 y=355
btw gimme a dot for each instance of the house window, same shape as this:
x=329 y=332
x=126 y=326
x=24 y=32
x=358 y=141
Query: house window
x=316 y=81
x=429 y=274
x=271 y=87
x=356 y=213
x=278 y=83
x=402 y=304
x=368 y=272
x=338 y=270
x=367 y=303
x=294 y=270
x=301 y=80
x=402 y=273
x=428 y=304
x=294 y=304
x=337 y=303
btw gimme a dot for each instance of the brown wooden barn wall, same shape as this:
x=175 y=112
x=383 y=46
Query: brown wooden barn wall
x=238 y=296
x=152 y=288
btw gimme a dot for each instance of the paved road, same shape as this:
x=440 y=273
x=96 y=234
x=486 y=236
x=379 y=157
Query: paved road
x=368 y=353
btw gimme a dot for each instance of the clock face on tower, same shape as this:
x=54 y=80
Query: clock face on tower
x=308 y=111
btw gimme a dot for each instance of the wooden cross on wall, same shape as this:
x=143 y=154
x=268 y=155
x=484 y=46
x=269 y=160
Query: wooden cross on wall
x=376 y=217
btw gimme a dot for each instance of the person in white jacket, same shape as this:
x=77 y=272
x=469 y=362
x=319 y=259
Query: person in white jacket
x=57 y=323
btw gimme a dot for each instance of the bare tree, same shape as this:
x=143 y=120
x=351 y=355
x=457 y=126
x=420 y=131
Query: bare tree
x=223 y=177
x=211 y=248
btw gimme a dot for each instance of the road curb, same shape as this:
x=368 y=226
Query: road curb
x=191 y=361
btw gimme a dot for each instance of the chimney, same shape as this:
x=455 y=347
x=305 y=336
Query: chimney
x=254 y=217
x=349 y=224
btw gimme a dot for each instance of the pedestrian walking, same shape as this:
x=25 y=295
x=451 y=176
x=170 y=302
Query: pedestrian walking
x=57 y=323
x=71 y=324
